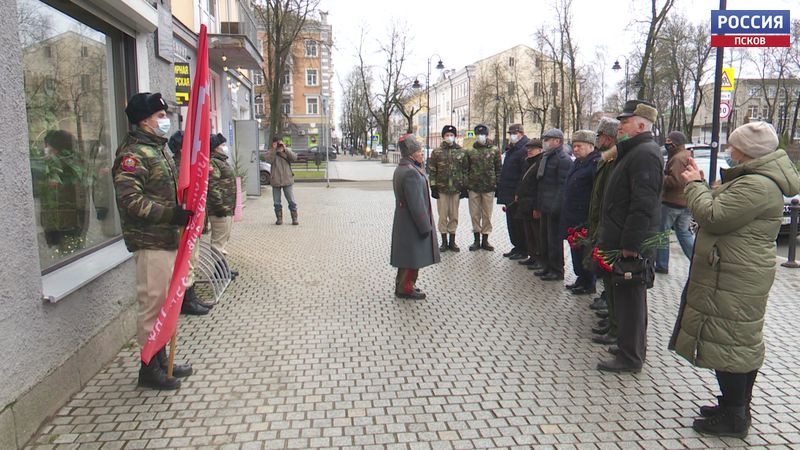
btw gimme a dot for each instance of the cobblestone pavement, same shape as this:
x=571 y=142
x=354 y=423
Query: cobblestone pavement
x=311 y=349
x=353 y=169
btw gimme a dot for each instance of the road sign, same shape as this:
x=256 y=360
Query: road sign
x=724 y=109
x=727 y=79
x=727 y=95
x=470 y=134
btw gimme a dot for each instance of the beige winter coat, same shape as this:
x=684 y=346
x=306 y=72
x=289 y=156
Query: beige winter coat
x=281 y=174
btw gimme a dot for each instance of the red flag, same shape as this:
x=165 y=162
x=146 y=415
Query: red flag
x=192 y=190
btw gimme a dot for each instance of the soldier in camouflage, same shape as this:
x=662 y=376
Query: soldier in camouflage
x=447 y=167
x=144 y=181
x=484 y=165
x=221 y=194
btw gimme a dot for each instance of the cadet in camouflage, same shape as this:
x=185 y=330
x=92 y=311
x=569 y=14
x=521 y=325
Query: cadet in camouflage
x=484 y=165
x=144 y=182
x=221 y=194
x=447 y=167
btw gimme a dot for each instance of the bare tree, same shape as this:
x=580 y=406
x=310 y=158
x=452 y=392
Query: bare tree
x=355 y=115
x=405 y=105
x=657 y=19
x=282 y=22
x=382 y=100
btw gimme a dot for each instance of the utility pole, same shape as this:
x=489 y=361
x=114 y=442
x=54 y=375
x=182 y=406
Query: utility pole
x=715 y=119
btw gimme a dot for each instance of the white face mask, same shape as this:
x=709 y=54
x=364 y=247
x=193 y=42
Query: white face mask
x=482 y=138
x=450 y=139
x=226 y=150
x=546 y=145
x=163 y=126
x=514 y=138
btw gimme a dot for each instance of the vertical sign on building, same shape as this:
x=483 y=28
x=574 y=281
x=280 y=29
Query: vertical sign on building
x=750 y=28
x=183 y=83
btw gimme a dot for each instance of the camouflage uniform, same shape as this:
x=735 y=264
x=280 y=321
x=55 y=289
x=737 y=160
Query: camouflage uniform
x=221 y=200
x=144 y=182
x=447 y=167
x=62 y=189
x=484 y=163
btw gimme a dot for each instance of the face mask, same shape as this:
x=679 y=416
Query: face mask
x=623 y=138
x=514 y=138
x=482 y=138
x=163 y=126
x=670 y=147
x=226 y=150
x=450 y=139
x=545 y=146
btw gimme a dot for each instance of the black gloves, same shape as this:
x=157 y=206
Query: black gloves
x=434 y=192
x=181 y=216
x=463 y=194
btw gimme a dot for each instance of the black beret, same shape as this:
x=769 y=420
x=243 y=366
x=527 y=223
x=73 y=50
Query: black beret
x=481 y=129
x=449 y=129
x=143 y=105
x=217 y=140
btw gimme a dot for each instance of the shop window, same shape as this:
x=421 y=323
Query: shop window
x=73 y=111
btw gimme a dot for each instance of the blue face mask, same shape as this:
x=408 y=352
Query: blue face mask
x=163 y=126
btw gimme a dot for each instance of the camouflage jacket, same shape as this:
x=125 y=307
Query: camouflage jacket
x=447 y=167
x=485 y=163
x=144 y=181
x=221 y=187
x=60 y=183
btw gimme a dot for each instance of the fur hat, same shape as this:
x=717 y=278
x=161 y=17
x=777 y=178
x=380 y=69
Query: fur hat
x=608 y=127
x=754 y=139
x=553 y=133
x=408 y=145
x=639 y=108
x=587 y=136
x=481 y=129
x=449 y=129
x=143 y=105
x=216 y=140
x=175 y=143
x=677 y=138
x=516 y=128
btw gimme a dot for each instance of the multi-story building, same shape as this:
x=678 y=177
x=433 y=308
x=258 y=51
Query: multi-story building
x=307 y=107
x=752 y=99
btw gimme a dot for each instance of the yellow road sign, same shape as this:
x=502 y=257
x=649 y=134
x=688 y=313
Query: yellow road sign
x=727 y=81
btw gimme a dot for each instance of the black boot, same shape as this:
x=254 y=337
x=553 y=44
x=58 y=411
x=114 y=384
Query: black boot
x=191 y=296
x=453 y=245
x=192 y=308
x=443 y=248
x=279 y=217
x=153 y=377
x=477 y=244
x=178 y=370
x=730 y=421
x=485 y=244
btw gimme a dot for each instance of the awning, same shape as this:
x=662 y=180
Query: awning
x=237 y=50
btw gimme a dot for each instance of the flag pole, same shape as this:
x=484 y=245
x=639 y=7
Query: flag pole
x=172 y=344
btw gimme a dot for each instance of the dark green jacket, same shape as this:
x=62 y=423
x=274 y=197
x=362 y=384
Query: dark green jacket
x=61 y=183
x=221 y=187
x=484 y=163
x=733 y=267
x=144 y=182
x=448 y=168
x=604 y=168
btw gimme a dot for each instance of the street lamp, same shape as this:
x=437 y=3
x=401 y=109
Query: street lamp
x=469 y=94
x=439 y=66
x=616 y=66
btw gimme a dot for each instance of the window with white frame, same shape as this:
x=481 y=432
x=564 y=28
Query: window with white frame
x=753 y=111
x=287 y=81
x=286 y=106
x=312 y=105
x=753 y=91
x=311 y=77
x=258 y=78
x=311 y=48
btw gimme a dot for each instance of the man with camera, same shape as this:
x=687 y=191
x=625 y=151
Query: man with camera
x=282 y=179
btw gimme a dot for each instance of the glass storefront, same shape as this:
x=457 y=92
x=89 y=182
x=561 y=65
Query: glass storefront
x=72 y=105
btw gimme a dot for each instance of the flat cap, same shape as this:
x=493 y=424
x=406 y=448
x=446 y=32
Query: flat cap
x=553 y=133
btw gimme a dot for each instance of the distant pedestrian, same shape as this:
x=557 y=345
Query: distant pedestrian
x=527 y=200
x=510 y=175
x=721 y=320
x=282 y=179
x=575 y=204
x=484 y=165
x=552 y=173
x=413 y=233
x=448 y=167
x=674 y=213
x=630 y=215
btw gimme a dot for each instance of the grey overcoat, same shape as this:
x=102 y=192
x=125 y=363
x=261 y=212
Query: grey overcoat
x=413 y=240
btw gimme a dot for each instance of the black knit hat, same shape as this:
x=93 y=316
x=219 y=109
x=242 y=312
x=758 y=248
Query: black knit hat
x=175 y=143
x=481 y=129
x=217 y=140
x=143 y=105
x=449 y=129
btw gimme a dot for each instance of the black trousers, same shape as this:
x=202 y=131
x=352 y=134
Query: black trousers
x=736 y=388
x=532 y=229
x=585 y=277
x=516 y=234
x=552 y=244
x=630 y=307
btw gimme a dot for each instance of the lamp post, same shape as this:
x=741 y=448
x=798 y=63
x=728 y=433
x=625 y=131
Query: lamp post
x=469 y=95
x=616 y=66
x=439 y=66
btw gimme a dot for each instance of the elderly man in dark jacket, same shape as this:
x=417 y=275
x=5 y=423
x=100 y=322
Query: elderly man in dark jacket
x=527 y=201
x=551 y=173
x=510 y=174
x=575 y=205
x=413 y=239
x=631 y=214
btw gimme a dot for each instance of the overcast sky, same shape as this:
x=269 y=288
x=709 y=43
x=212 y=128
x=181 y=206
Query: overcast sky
x=468 y=30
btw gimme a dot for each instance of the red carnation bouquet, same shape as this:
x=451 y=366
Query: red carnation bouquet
x=607 y=258
x=577 y=237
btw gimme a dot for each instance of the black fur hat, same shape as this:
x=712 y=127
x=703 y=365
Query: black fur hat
x=217 y=140
x=143 y=105
x=449 y=129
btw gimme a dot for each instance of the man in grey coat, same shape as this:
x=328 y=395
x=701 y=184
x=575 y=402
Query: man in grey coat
x=413 y=240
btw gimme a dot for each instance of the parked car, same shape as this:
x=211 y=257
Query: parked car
x=264 y=168
x=331 y=153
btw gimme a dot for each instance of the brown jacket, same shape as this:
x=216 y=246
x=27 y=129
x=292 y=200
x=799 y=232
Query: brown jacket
x=673 y=183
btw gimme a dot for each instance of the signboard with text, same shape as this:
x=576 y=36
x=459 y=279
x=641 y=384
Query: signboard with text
x=183 y=83
x=750 y=28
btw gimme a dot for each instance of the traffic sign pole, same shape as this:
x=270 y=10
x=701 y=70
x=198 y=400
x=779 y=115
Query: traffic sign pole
x=715 y=116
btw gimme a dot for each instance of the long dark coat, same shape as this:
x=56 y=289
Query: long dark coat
x=551 y=180
x=511 y=172
x=578 y=192
x=414 y=244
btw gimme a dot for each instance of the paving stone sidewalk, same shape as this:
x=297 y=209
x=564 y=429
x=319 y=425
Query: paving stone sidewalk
x=310 y=349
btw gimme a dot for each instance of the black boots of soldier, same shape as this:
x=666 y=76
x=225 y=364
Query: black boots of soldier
x=192 y=305
x=477 y=245
x=452 y=246
x=154 y=375
x=485 y=245
x=443 y=248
